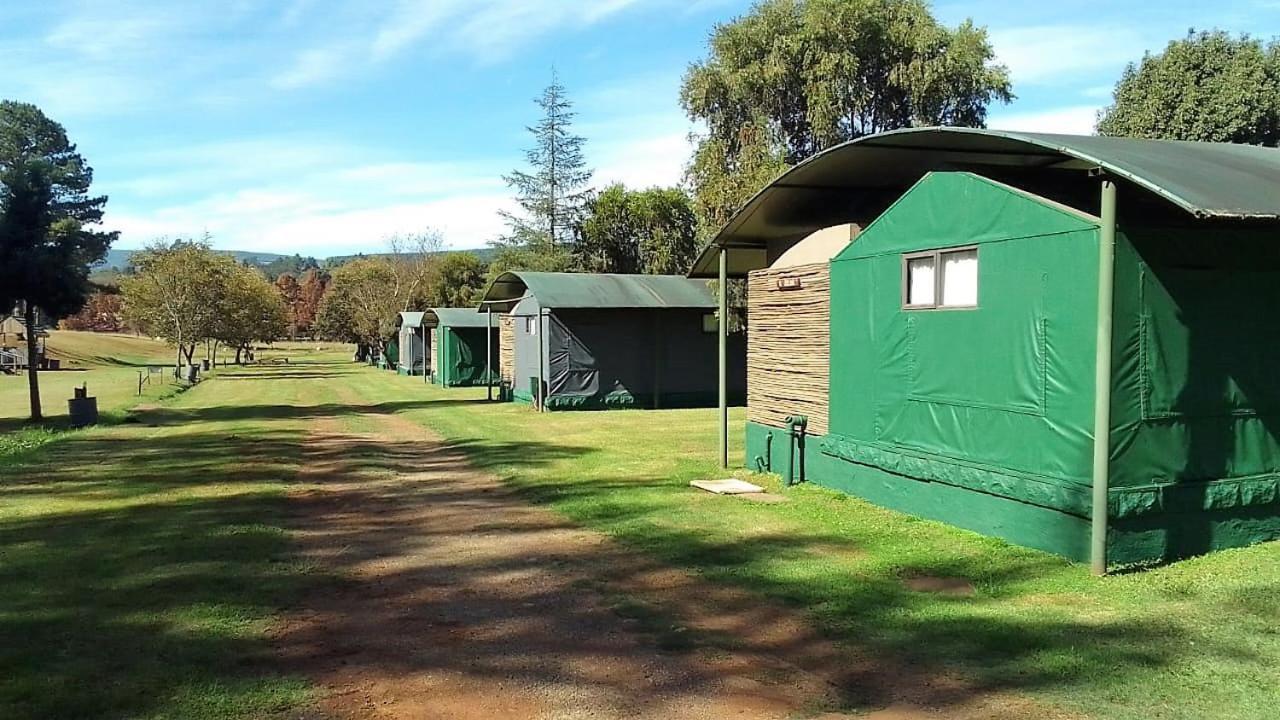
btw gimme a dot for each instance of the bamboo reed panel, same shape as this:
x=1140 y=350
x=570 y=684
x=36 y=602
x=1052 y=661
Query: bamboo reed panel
x=789 y=345
x=507 y=348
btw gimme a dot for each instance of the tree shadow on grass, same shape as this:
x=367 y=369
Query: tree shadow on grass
x=229 y=413
x=136 y=573
x=151 y=562
x=852 y=586
x=285 y=375
x=143 y=608
x=435 y=617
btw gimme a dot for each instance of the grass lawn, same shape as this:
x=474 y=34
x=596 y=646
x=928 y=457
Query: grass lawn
x=1193 y=640
x=107 y=363
x=142 y=563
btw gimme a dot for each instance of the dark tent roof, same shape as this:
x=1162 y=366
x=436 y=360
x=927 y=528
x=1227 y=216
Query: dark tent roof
x=849 y=181
x=455 y=317
x=598 y=290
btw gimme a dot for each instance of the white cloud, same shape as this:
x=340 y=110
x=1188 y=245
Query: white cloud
x=411 y=20
x=1072 y=120
x=487 y=30
x=313 y=67
x=643 y=162
x=273 y=221
x=317 y=196
x=1042 y=53
x=307 y=194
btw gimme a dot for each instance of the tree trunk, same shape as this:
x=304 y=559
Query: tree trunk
x=33 y=378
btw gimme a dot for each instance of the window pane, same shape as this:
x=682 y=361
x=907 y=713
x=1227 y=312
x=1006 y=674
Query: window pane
x=960 y=278
x=920 y=281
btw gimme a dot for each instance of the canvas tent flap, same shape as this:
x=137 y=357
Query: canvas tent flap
x=462 y=356
x=572 y=368
x=846 y=182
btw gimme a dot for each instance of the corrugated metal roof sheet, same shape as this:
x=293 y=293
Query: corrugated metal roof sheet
x=599 y=290
x=1207 y=180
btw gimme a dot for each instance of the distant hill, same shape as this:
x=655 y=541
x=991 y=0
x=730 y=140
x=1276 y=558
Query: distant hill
x=108 y=271
x=119 y=259
x=485 y=255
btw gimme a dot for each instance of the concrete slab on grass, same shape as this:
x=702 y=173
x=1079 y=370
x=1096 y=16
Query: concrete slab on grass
x=727 y=486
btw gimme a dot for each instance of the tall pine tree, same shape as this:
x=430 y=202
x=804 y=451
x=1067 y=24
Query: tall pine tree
x=47 y=218
x=552 y=191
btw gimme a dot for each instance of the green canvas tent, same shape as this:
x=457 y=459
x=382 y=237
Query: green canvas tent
x=458 y=340
x=598 y=340
x=1063 y=341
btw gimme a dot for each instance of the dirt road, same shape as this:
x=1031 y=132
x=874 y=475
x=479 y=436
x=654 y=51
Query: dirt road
x=464 y=601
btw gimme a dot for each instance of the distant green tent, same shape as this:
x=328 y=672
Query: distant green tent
x=458 y=340
x=584 y=341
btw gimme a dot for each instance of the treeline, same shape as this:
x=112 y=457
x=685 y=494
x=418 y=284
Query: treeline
x=365 y=296
x=193 y=297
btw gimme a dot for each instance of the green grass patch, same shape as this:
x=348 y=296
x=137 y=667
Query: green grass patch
x=142 y=563
x=20 y=442
x=1193 y=640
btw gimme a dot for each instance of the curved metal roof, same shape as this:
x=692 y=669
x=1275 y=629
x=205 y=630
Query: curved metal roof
x=455 y=317
x=411 y=319
x=598 y=290
x=847 y=182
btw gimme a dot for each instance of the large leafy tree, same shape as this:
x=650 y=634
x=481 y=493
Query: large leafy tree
x=1208 y=86
x=456 y=281
x=637 y=231
x=793 y=77
x=102 y=312
x=360 y=305
x=290 y=292
x=47 y=240
x=175 y=293
x=249 y=309
x=553 y=189
x=311 y=290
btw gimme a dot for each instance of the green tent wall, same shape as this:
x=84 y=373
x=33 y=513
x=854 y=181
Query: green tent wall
x=983 y=417
x=459 y=360
x=1196 y=400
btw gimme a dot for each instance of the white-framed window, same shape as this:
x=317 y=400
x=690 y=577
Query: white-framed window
x=940 y=279
x=531 y=325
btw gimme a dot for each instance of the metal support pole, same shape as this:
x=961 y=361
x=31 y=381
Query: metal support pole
x=723 y=332
x=488 y=353
x=1102 y=381
x=542 y=370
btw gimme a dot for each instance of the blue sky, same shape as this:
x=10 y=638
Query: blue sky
x=323 y=126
